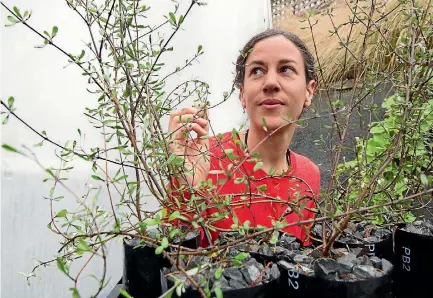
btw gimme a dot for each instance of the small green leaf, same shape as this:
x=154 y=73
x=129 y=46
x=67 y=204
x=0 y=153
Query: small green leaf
x=164 y=212
x=82 y=54
x=262 y=187
x=200 y=47
x=61 y=265
x=239 y=180
x=61 y=213
x=164 y=242
x=17 y=11
x=9 y=148
x=424 y=179
x=242 y=256
x=177 y=215
x=172 y=18
x=54 y=31
x=39 y=144
x=159 y=250
x=125 y=294
x=82 y=245
x=11 y=101
x=50 y=228
x=265 y=125
x=218 y=292
x=174 y=215
x=143 y=226
x=96 y=177
x=179 y=290
x=12 y=19
x=258 y=166
x=75 y=293
x=279 y=225
x=274 y=239
x=173 y=233
x=121 y=178
x=181 y=19
x=218 y=273
x=303 y=205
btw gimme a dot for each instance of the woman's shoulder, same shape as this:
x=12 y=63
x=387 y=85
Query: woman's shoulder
x=307 y=170
x=304 y=163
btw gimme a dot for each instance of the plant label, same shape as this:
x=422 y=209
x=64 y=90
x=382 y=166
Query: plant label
x=406 y=258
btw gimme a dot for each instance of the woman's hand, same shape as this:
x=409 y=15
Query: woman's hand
x=194 y=151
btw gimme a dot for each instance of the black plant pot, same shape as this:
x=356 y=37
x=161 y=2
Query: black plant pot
x=268 y=290
x=142 y=275
x=413 y=264
x=142 y=270
x=295 y=284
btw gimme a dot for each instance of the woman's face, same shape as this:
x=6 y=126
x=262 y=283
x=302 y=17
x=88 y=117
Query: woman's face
x=275 y=86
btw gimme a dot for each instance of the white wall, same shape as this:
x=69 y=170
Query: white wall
x=52 y=98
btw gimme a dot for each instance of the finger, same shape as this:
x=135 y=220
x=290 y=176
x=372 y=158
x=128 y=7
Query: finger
x=180 y=132
x=187 y=118
x=181 y=135
x=184 y=118
x=198 y=129
x=183 y=111
x=202 y=122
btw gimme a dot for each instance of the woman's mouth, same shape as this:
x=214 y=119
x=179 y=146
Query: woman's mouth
x=271 y=104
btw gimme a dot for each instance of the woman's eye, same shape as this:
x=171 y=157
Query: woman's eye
x=286 y=69
x=257 y=71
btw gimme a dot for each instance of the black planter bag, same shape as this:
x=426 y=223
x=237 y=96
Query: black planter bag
x=142 y=271
x=142 y=275
x=413 y=264
x=294 y=284
x=382 y=249
x=268 y=290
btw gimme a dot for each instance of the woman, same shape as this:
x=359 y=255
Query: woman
x=250 y=177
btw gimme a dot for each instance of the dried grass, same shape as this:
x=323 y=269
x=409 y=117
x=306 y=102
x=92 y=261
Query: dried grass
x=373 y=53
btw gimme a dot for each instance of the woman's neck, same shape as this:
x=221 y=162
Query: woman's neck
x=273 y=149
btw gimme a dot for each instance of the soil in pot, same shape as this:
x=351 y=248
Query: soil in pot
x=374 y=240
x=249 y=278
x=413 y=244
x=189 y=238
x=348 y=274
x=261 y=249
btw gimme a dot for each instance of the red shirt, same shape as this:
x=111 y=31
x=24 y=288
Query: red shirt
x=257 y=203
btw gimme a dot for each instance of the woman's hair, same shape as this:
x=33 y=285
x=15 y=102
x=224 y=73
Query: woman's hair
x=308 y=57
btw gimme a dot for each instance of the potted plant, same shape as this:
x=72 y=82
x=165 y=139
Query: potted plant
x=388 y=171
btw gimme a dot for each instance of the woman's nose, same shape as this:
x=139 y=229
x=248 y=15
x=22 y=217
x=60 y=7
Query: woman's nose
x=271 y=83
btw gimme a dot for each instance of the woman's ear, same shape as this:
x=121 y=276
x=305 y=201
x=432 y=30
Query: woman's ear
x=242 y=97
x=311 y=87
